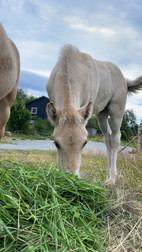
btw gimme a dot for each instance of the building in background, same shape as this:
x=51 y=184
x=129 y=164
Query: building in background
x=91 y=130
x=37 y=107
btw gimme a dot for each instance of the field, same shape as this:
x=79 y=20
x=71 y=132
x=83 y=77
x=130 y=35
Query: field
x=47 y=209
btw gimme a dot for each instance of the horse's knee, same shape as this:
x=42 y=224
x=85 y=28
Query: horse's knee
x=115 y=139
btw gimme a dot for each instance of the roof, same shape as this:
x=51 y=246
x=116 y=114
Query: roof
x=38 y=99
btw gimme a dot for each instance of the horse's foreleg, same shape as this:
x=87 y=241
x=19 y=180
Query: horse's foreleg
x=2 y=131
x=107 y=136
x=4 y=116
x=105 y=128
x=112 y=169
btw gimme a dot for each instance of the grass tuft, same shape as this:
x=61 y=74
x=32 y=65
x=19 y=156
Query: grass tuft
x=47 y=209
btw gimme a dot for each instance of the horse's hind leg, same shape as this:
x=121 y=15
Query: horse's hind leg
x=116 y=115
x=112 y=137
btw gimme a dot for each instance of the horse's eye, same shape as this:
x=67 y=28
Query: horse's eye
x=84 y=143
x=57 y=144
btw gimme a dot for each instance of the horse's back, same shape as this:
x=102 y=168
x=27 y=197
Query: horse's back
x=89 y=79
x=9 y=64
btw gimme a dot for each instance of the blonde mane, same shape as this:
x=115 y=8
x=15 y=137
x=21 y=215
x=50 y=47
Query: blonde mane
x=67 y=56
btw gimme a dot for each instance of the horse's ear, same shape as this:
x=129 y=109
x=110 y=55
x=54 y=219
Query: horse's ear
x=52 y=112
x=86 y=112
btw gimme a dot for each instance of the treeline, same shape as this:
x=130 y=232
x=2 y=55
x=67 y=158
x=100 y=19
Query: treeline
x=129 y=127
x=22 y=121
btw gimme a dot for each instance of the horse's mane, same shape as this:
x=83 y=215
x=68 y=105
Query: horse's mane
x=67 y=56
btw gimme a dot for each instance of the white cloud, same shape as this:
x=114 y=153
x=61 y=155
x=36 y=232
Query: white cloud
x=77 y=23
x=105 y=37
x=83 y=27
x=45 y=11
x=35 y=93
x=111 y=32
x=131 y=71
x=39 y=72
x=135 y=102
x=107 y=31
x=37 y=56
x=12 y=5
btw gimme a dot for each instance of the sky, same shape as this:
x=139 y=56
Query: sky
x=107 y=30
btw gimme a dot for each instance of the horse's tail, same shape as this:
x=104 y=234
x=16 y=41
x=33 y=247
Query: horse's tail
x=135 y=85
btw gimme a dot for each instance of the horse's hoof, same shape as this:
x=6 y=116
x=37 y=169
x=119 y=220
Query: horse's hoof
x=110 y=181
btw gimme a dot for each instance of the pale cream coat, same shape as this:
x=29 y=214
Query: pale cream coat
x=9 y=77
x=78 y=87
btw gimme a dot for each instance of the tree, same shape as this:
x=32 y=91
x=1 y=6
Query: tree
x=19 y=118
x=23 y=97
x=129 y=127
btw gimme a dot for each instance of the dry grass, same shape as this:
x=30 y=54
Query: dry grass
x=123 y=220
x=34 y=156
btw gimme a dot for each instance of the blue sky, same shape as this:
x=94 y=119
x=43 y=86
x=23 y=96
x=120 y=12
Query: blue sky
x=107 y=30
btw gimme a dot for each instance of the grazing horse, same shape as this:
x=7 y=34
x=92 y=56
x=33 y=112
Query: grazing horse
x=78 y=87
x=9 y=77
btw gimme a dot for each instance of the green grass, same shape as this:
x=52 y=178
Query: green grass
x=7 y=139
x=47 y=209
x=44 y=208
x=96 y=138
x=6 y=142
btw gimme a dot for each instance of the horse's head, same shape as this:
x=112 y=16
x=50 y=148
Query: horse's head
x=70 y=135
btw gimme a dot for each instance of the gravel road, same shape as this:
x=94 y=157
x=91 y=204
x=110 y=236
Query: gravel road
x=93 y=147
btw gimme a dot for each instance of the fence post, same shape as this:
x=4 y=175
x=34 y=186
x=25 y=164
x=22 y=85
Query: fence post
x=139 y=143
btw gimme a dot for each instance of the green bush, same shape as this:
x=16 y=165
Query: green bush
x=43 y=126
x=129 y=128
x=19 y=118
